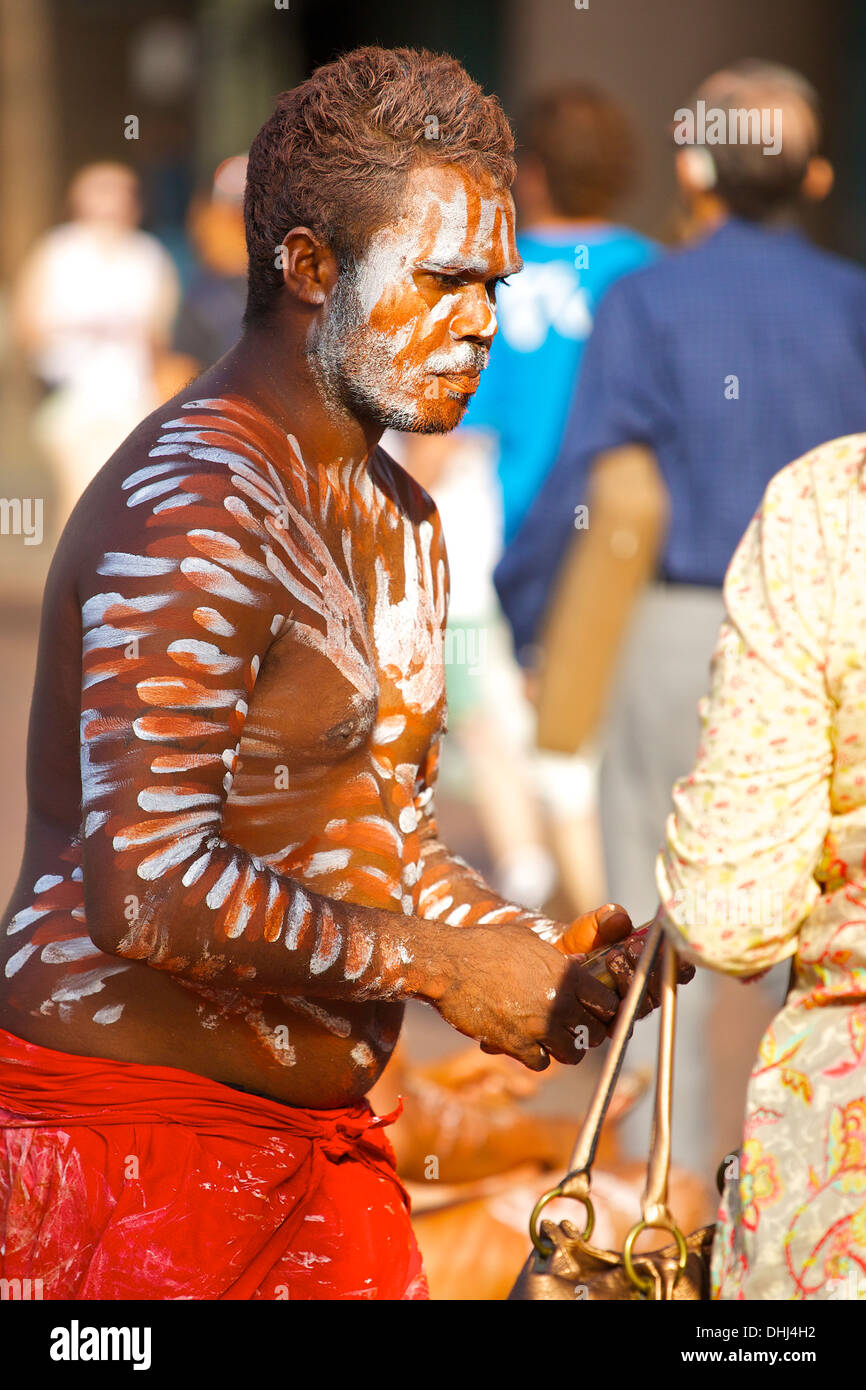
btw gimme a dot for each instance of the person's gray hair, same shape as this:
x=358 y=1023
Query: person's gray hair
x=753 y=184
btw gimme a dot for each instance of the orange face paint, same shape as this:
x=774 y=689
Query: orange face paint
x=410 y=330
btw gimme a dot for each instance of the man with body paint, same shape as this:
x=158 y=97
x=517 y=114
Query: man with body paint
x=232 y=880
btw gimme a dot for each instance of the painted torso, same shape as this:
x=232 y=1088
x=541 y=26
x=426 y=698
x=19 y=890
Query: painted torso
x=327 y=739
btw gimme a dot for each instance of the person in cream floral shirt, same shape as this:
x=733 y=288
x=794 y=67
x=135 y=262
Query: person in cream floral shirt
x=765 y=860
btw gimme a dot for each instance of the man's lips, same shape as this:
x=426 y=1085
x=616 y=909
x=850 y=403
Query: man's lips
x=467 y=382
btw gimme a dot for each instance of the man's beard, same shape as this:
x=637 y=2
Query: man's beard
x=355 y=368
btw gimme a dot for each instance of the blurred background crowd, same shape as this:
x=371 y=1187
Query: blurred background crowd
x=678 y=334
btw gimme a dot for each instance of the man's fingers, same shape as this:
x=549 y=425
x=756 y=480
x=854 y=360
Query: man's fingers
x=532 y=1055
x=535 y=1058
x=620 y=966
x=567 y=1046
x=572 y=1018
x=595 y=929
x=622 y=962
x=560 y=1043
x=581 y=936
x=613 y=922
x=593 y=995
x=591 y=1031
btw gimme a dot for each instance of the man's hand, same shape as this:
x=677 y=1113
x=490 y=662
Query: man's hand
x=621 y=963
x=611 y=926
x=516 y=994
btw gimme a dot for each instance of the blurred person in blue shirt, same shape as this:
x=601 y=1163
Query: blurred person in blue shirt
x=576 y=162
x=713 y=369
x=726 y=358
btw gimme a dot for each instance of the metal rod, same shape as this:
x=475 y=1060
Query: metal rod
x=587 y=1141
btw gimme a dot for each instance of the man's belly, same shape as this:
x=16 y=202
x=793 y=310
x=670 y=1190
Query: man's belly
x=316 y=1053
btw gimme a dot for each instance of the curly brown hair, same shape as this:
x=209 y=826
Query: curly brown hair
x=337 y=151
x=584 y=142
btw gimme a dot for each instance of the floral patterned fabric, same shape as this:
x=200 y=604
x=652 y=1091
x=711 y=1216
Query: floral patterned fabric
x=765 y=859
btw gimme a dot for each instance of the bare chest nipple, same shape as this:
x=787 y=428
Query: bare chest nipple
x=303 y=715
x=302 y=707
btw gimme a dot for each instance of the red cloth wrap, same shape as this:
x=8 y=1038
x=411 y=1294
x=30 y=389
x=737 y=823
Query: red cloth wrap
x=120 y=1181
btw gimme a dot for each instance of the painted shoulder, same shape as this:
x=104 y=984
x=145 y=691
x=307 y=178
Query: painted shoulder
x=202 y=504
x=190 y=452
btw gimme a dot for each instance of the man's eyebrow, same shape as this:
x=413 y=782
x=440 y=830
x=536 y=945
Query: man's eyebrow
x=469 y=267
x=455 y=267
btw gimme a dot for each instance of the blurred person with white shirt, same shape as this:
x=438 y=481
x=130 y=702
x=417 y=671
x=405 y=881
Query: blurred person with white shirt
x=93 y=309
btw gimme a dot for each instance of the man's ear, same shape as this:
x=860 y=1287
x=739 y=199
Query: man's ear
x=695 y=169
x=309 y=267
x=817 y=180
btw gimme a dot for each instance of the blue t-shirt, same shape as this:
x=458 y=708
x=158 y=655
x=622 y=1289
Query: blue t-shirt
x=729 y=359
x=545 y=317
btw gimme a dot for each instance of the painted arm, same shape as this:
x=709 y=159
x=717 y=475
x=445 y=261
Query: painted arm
x=176 y=628
x=451 y=891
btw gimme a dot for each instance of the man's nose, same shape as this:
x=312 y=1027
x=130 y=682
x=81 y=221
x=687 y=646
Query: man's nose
x=475 y=316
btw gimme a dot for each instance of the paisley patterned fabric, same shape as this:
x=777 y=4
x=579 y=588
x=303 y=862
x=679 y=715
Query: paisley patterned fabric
x=765 y=859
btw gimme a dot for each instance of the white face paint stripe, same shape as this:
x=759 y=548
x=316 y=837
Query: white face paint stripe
x=214 y=622
x=89 y=982
x=197 y=868
x=143 y=475
x=157 y=799
x=95 y=608
x=327 y=862
x=217 y=580
x=387 y=730
x=47 y=881
x=328 y=943
x=298 y=916
x=166 y=827
x=152 y=490
x=453 y=226
x=25 y=918
x=332 y=1023
x=118 y=562
x=155 y=865
x=177 y=500
x=61 y=952
x=202 y=656
x=94 y=820
x=110 y=1014
x=223 y=886
x=19 y=958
